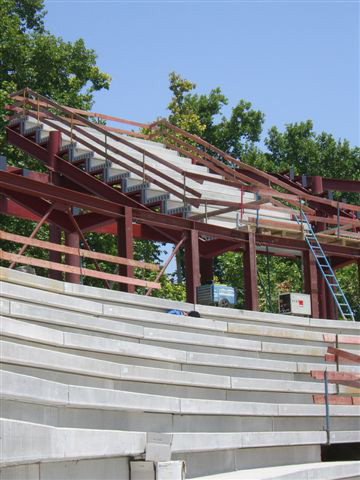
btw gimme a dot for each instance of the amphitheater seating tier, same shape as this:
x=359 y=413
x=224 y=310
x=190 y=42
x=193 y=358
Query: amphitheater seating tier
x=89 y=372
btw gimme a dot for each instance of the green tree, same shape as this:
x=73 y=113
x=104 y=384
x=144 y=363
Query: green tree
x=202 y=115
x=30 y=56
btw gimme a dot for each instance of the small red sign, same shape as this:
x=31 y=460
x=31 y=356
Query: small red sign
x=301 y=303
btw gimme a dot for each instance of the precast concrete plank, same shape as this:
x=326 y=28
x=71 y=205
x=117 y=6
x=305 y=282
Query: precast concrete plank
x=27 y=279
x=307 y=471
x=219 y=407
x=201 y=339
x=24 y=388
x=198 y=358
x=49 y=336
x=174 y=377
x=106 y=399
x=79 y=320
x=269 y=385
x=72 y=319
x=266 y=331
x=29 y=331
x=291 y=349
x=19 y=292
x=149 y=316
x=202 y=442
x=352 y=436
x=54 y=360
x=25 y=355
x=24 y=442
x=120 y=347
x=4 y=306
x=48 y=359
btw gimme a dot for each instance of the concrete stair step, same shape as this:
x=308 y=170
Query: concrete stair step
x=319 y=470
x=50 y=359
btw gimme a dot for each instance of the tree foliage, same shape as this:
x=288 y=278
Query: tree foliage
x=202 y=115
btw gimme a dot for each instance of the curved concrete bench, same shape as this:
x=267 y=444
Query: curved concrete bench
x=125 y=330
x=307 y=471
x=55 y=314
x=54 y=443
x=28 y=389
x=83 y=293
x=41 y=358
x=42 y=442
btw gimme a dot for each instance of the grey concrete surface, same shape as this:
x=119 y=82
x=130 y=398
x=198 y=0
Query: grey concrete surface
x=310 y=471
x=86 y=376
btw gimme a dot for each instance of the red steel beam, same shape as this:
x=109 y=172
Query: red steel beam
x=333 y=399
x=38 y=206
x=339 y=378
x=343 y=354
x=92 y=184
x=12 y=182
x=9 y=257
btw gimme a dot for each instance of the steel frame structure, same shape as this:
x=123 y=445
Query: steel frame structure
x=103 y=208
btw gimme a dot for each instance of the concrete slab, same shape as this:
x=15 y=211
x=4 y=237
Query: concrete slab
x=309 y=471
x=24 y=442
x=197 y=442
x=84 y=321
x=266 y=331
x=44 y=297
x=200 y=339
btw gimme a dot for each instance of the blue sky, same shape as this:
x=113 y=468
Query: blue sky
x=292 y=60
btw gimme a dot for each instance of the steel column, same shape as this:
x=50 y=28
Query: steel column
x=250 y=274
x=322 y=294
x=206 y=270
x=55 y=237
x=125 y=247
x=310 y=281
x=73 y=240
x=192 y=265
x=53 y=147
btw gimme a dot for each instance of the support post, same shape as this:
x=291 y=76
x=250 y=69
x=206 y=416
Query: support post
x=53 y=147
x=73 y=240
x=322 y=295
x=310 y=281
x=125 y=247
x=55 y=237
x=250 y=274
x=192 y=265
x=206 y=270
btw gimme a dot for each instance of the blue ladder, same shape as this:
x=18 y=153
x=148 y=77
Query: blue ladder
x=325 y=268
